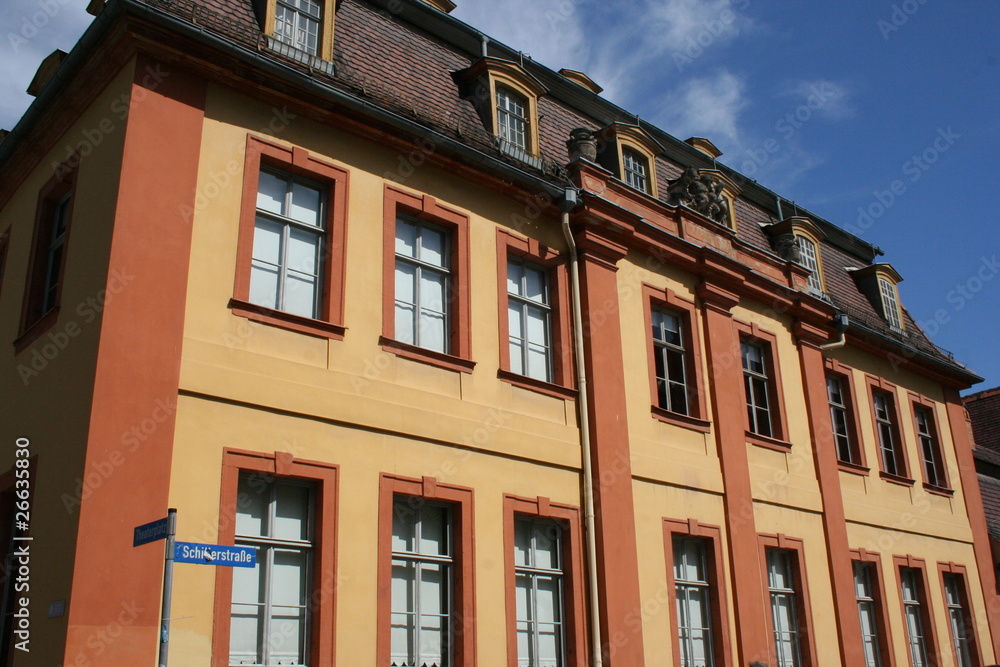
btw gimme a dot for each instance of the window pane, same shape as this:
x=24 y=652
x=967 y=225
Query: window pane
x=244 y=634
x=305 y=204
x=535 y=285
x=404 y=323
x=548 y=595
x=434 y=530
x=267 y=241
x=252 y=506
x=404 y=584
x=300 y=295
x=433 y=589
x=432 y=290
x=546 y=552
x=290 y=515
x=537 y=325
x=515 y=272
x=432 y=331
x=433 y=246
x=303 y=251
x=271 y=191
x=406 y=238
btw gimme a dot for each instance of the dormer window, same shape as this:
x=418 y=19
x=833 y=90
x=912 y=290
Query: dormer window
x=890 y=303
x=878 y=282
x=505 y=96
x=636 y=169
x=512 y=118
x=809 y=257
x=297 y=23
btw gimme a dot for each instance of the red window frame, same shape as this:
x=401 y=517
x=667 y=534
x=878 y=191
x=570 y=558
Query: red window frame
x=34 y=323
x=510 y=245
x=574 y=604
x=918 y=402
x=926 y=617
x=880 y=386
x=881 y=611
x=424 y=207
x=976 y=650
x=810 y=658
x=846 y=376
x=752 y=333
x=464 y=597
x=712 y=537
x=668 y=300
x=298 y=162
x=324 y=478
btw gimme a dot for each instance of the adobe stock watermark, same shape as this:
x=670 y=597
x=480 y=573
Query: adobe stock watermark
x=32 y=23
x=915 y=168
x=962 y=293
x=711 y=30
x=819 y=96
x=898 y=17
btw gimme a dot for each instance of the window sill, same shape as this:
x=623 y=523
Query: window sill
x=277 y=318
x=35 y=331
x=677 y=419
x=897 y=479
x=540 y=386
x=414 y=353
x=853 y=468
x=768 y=442
x=939 y=490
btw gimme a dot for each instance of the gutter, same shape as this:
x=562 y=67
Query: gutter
x=570 y=199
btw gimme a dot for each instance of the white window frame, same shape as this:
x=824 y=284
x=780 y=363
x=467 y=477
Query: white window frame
x=665 y=350
x=840 y=418
x=635 y=167
x=513 y=124
x=885 y=413
x=954 y=585
x=420 y=267
x=410 y=508
x=864 y=591
x=890 y=304
x=781 y=559
x=533 y=574
x=518 y=300
x=757 y=387
x=287 y=224
x=304 y=19
x=809 y=252
x=911 y=581
x=685 y=592
x=930 y=451
x=266 y=545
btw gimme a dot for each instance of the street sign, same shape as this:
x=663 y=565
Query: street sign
x=149 y=532
x=215 y=554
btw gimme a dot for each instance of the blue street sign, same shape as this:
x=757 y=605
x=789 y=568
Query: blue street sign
x=215 y=554
x=149 y=532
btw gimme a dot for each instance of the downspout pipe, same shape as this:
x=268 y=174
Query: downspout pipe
x=841 y=322
x=571 y=198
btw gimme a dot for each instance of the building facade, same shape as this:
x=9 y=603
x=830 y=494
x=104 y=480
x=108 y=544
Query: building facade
x=486 y=370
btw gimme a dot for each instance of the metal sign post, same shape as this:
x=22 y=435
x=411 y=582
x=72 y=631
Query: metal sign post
x=168 y=581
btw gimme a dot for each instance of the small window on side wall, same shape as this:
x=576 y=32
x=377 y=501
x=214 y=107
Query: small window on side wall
x=47 y=259
x=636 y=169
x=513 y=119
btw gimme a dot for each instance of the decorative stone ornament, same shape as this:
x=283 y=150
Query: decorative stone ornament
x=582 y=144
x=699 y=192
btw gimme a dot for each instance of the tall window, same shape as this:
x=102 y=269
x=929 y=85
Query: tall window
x=888 y=434
x=48 y=250
x=636 y=170
x=890 y=303
x=669 y=355
x=784 y=608
x=422 y=586
x=914 y=613
x=865 y=591
x=422 y=284
x=530 y=320
x=840 y=415
x=512 y=118
x=810 y=259
x=958 y=619
x=930 y=449
x=288 y=244
x=270 y=610
x=694 y=602
x=297 y=23
x=756 y=385
x=539 y=581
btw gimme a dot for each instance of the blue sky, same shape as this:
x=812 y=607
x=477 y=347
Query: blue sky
x=889 y=107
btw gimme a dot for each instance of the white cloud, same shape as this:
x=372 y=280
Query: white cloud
x=708 y=107
x=826 y=99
